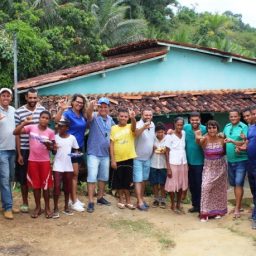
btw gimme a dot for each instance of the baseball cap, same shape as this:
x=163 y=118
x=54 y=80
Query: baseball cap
x=103 y=100
x=64 y=122
x=5 y=90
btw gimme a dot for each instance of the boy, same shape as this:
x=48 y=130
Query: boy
x=39 y=176
x=122 y=152
x=62 y=167
x=158 y=174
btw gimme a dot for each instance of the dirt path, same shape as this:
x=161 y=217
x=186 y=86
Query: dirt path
x=111 y=231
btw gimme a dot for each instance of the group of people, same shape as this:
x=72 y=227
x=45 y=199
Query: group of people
x=194 y=156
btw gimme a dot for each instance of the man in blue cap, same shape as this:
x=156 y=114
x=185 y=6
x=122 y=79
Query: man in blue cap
x=98 y=150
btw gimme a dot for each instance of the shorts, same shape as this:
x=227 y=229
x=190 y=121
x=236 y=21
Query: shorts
x=39 y=175
x=98 y=168
x=122 y=176
x=22 y=170
x=236 y=173
x=157 y=176
x=66 y=178
x=141 y=169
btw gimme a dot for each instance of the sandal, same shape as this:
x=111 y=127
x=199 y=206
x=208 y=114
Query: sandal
x=36 y=214
x=120 y=205
x=49 y=215
x=130 y=206
x=56 y=215
x=24 y=208
x=236 y=215
x=68 y=212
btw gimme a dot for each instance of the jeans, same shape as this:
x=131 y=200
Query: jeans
x=141 y=169
x=98 y=168
x=7 y=158
x=236 y=173
x=195 y=182
x=252 y=183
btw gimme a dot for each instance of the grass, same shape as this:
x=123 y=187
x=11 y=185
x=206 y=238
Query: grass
x=246 y=202
x=143 y=227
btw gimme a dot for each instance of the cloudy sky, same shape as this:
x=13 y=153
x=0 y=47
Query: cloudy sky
x=245 y=7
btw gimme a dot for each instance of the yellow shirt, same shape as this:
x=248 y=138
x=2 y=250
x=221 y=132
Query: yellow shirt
x=123 y=139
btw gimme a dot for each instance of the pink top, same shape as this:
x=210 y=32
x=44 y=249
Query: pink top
x=37 y=150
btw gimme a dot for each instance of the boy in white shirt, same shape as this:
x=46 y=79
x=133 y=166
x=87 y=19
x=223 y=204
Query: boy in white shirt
x=62 y=167
x=158 y=171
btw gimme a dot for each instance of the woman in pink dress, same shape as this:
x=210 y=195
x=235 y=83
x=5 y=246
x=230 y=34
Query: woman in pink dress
x=177 y=169
x=214 y=179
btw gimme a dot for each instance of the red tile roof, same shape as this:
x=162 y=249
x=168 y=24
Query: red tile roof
x=123 y=55
x=172 y=101
x=93 y=67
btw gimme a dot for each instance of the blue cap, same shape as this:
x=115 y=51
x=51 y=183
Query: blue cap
x=103 y=100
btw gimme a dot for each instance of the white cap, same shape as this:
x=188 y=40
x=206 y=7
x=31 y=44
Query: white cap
x=5 y=90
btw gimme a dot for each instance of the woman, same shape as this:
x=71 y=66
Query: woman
x=76 y=116
x=177 y=169
x=214 y=179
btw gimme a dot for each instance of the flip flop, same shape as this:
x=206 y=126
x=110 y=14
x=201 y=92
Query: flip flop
x=120 y=205
x=68 y=212
x=49 y=215
x=130 y=206
x=35 y=214
x=24 y=208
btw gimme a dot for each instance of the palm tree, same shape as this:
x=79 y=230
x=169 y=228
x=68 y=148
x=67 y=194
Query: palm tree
x=113 y=25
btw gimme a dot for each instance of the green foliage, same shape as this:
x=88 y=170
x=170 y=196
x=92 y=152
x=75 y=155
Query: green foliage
x=57 y=34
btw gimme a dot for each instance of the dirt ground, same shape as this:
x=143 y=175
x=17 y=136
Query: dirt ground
x=112 y=231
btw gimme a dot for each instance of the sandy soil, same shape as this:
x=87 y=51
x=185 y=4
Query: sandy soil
x=112 y=231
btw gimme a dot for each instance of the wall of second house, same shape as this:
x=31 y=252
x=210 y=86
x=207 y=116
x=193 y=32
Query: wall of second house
x=182 y=70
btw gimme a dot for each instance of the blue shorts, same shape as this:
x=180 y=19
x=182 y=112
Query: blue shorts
x=98 y=168
x=157 y=176
x=141 y=169
x=236 y=173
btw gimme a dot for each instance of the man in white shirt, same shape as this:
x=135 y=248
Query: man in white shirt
x=145 y=134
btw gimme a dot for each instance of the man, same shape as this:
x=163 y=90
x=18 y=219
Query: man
x=7 y=150
x=32 y=111
x=247 y=116
x=234 y=132
x=145 y=134
x=98 y=151
x=195 y=158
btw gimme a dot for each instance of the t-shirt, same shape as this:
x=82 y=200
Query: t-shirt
x=251 y=147
x=99 y=136
x=158 y=160
x=7 y=126
x=234 y=132
x=20 y=115
x=195 y=155
x=77 y=125
x=176 y=145
x=123 y=139
x=145 y=142
x=38 y=151
x=62 y=161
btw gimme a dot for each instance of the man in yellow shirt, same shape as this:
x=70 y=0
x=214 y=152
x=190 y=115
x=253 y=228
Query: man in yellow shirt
x=122 y=152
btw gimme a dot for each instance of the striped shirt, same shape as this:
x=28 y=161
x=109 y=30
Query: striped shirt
x=20 y=115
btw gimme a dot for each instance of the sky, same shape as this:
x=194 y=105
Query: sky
x=245 y=7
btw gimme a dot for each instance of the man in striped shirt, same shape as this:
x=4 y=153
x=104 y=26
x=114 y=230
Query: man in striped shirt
x=30 y=110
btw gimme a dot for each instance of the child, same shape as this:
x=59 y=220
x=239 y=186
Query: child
x=122 y=152
x=177 y=169
x=39 y=176
x=62 y=167
x=158 y=174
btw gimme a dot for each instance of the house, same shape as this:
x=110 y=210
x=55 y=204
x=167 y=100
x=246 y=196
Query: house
x=173 y=78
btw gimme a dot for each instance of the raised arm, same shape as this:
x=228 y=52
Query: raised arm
x=133 y=120
x=139 y=131
x=63 y=105
x=90 y=109
x=200 y=139
x=20 y=128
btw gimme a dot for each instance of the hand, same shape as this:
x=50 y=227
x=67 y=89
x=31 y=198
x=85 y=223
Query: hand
x=228 y=140
x=93 y=103
x=198 y=134
x=242 y=135
x=2 y=116
x=169 y=172
x=146 y=125
x=28 y=120
x=131 y=113
x=48 y=144
x=170 y=131
x=63 y=104
x=221 y=135
x=20 y=160
x=113 y=164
